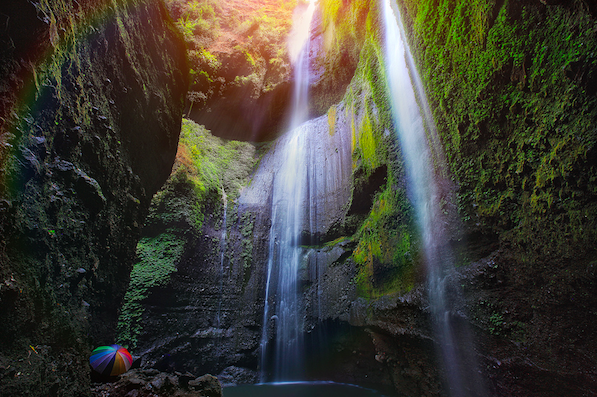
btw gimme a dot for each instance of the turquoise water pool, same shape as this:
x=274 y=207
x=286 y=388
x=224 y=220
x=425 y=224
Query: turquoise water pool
x=300 y=389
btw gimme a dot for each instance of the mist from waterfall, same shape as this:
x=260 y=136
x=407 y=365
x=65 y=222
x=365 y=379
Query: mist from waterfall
x=456 y=350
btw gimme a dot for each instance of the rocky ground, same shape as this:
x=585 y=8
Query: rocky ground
x=153 y=383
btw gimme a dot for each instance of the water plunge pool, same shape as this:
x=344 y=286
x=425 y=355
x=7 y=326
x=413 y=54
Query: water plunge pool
x=300 y=389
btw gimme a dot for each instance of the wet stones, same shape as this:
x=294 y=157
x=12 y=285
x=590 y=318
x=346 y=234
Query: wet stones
x=151 y=382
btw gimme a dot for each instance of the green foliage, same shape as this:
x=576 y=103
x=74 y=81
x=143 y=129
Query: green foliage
x=512 y=87
x=265 y=49
x=197 y=20
x=499 y=322
x=256 y=59
x=158 y=257
x=207 y=169
x=495 y=322
x=214 y=164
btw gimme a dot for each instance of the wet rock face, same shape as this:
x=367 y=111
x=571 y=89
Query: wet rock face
x=208 y=316
x=256 y=119
x=81 y=157
x=530 y=338
x=399 y=327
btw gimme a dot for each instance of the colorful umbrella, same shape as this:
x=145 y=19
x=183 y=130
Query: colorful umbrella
x=111 y=360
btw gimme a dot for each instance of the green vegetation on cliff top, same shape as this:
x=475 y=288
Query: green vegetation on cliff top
x=207 y=169
x=234 y=44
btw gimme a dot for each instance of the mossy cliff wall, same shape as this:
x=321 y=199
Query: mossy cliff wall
x=92 y=98
x=512 y=88
x=191 y=302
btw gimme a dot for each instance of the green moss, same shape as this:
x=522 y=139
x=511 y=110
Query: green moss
x=198 y=20
x=337 y=241
x=512 y=87
x=369 y=107
x=332 y=114
x=368 y=144
x=158 y=257
x=207 y=168
x=386 y=251
x=330 y=11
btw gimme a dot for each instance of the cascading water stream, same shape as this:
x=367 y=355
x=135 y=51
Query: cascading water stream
x=298 y=49
x=222 y=252
x=218 y=322
x=282 y=309
x=457 y=355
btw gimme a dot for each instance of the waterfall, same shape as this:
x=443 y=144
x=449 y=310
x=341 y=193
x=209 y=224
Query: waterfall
x=282 y=308
x=298 y=49
x=218 y=322
x=284 y=259
x=222 y=252
x=456 y=351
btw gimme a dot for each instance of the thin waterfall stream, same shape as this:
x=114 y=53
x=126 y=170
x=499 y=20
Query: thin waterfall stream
x=222 y=256
x=221 y=271
x=456 y=350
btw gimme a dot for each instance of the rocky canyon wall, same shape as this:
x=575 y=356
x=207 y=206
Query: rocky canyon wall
x=92 y=97
x=513 y=110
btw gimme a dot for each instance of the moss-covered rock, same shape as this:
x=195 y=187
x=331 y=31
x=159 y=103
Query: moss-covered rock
x=384 y=234
x=511 y=85
x=512 y=89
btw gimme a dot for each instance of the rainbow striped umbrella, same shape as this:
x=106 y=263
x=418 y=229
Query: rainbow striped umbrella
x=111 y=360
